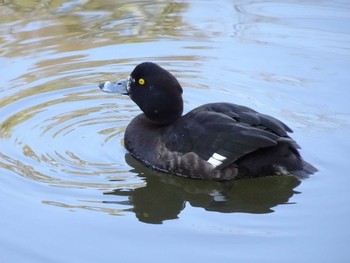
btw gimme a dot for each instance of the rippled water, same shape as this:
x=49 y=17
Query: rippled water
x=71 y=192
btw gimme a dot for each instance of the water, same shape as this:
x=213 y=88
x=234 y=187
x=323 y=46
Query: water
x=69 y=190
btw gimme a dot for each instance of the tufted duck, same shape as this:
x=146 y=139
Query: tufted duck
x=218 y=141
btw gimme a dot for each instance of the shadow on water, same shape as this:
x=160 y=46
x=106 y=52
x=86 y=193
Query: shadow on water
x=165 y=196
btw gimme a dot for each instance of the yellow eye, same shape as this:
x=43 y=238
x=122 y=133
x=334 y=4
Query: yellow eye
x=141 y=81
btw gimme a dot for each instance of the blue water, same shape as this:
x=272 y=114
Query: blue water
x=70 y=192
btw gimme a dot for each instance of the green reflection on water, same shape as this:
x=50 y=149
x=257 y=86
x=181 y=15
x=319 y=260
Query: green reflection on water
x=30 y=27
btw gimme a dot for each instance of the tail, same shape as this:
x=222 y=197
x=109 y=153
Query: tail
x=306 y=170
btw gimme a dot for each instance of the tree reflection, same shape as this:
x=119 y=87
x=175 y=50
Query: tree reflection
x=32 y=27
x=165 y=196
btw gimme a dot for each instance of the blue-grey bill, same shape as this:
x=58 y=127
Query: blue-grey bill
x=119 y=87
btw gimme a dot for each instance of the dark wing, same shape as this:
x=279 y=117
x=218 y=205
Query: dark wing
x=221 y=133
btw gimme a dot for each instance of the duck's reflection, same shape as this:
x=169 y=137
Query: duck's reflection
x=164 y=196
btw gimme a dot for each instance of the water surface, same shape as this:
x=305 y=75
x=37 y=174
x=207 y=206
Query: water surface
x=70 y=192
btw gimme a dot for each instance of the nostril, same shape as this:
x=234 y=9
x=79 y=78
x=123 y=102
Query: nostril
x=101 y=85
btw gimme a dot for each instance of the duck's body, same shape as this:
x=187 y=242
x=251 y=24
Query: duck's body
x=215 y=141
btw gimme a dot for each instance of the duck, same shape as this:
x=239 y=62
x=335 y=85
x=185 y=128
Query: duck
x=216 y=141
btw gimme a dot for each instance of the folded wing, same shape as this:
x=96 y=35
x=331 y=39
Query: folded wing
x=221 y=133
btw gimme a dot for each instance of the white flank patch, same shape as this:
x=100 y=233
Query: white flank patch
x=216 y=159
x=219 y=157
x=214 y=162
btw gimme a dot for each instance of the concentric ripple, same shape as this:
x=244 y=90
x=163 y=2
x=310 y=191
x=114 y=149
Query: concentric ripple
x=68 y=137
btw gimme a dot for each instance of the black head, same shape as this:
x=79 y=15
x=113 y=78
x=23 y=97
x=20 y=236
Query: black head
x=157 y=92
